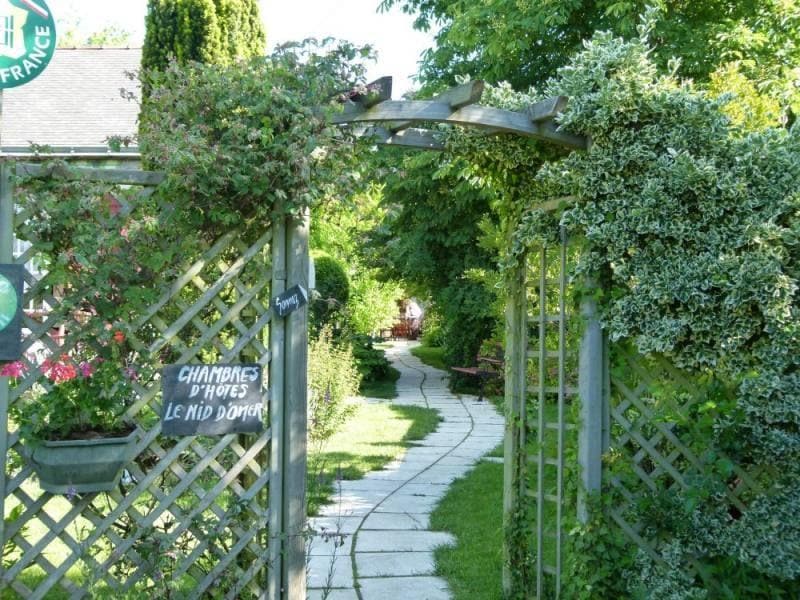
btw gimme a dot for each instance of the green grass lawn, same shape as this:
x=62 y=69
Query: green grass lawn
x=472 y=511
x=430 y=355
x=384 y=388
x=373 y=437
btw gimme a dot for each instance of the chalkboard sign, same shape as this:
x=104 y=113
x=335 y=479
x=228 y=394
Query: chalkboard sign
x=290 y=300
x=211 y=399
x=10 y=312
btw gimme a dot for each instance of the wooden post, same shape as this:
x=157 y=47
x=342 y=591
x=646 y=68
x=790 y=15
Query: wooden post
x=277 y=341
x=516 y=368
x=591 y=385
x=6 y=256
x=295 y=417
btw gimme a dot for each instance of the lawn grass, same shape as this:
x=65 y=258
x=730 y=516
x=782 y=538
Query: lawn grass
x=384 y=388
x=373 y=437
x=430 y=355
x=472 y=511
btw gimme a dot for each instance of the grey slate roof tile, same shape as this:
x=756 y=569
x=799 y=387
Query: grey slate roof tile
x=76 y=101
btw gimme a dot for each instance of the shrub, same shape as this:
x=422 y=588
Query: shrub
x=333 y=289
x=432 y=331
x=332 y=379
x=371 y=362
x=373 y=305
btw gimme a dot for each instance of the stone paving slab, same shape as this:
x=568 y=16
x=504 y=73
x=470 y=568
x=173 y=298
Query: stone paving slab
x=323 y=572
x=333 y=525
x=408 y=503
x=369 y=485
x=327 y=545
x=404 y=588
x=394 y=564
x=352 y=504
x=346 y=594
x=391 y=521
x=402 y=541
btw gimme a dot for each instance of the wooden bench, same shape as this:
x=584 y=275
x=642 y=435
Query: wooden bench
x=488 y=367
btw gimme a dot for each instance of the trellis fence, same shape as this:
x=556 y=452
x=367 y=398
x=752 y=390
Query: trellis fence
x=217 y=517
x=587 y=416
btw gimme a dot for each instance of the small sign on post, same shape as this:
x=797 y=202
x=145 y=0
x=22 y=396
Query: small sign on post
x=211 y=399
x=10 y=311
x=290 y=300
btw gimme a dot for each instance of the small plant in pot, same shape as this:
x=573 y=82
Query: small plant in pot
x=76 y=432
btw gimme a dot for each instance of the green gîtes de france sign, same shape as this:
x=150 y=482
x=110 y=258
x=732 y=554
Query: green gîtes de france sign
x=10 y=311
x=27 y=40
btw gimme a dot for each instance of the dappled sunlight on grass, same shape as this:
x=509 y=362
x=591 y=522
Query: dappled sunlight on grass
x=373 y=437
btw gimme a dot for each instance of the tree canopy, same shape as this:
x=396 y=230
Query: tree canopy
x=524 y=43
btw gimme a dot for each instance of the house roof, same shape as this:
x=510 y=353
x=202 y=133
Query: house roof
x=75 y=102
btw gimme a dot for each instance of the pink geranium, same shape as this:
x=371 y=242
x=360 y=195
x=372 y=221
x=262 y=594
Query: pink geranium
x=61 y=370
x=13 y=369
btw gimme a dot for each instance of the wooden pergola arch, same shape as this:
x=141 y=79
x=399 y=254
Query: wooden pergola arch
x=402 y=123
x=396 y=122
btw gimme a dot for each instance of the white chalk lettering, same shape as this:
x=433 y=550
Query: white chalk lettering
x=183 y=374
x=173 y=412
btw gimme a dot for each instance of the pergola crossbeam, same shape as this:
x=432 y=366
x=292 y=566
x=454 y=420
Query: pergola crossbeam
x=413 y=138
x=483 y=117
x=547 y=109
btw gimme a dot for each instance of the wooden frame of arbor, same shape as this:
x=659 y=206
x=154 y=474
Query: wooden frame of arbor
x=397 y=119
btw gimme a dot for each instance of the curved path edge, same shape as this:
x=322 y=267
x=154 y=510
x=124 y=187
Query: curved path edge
x=373 y=542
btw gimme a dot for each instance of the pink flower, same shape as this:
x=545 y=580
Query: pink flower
x=119 y=337
x=13 y=369
x=60 y=370
x=114 y=206
x=131 y=373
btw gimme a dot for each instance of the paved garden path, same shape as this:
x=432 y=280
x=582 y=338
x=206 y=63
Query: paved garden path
x=373 y=542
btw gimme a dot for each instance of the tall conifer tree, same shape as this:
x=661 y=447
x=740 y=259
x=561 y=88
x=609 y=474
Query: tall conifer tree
x=208 y=31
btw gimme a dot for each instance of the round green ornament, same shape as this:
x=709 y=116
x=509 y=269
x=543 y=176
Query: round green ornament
x=27 y=40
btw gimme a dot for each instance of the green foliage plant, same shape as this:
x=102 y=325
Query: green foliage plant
x=243 y=143
x=332 y=380
x=525 y=43
x=690 y=223
x=331 y=293
x=86 y=398
x=429 y=241
x=371 y=362
x=373 y=303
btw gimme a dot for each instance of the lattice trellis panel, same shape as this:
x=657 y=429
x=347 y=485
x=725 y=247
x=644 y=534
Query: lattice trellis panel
x=191 y=514
x=550 y=435
x=655 y=454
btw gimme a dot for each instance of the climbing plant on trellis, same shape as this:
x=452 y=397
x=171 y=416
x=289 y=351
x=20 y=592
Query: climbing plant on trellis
x=194 y=515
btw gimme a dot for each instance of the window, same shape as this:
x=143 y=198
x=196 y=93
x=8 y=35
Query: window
x=7 y=31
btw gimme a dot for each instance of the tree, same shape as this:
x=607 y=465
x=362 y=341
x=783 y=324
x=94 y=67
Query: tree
x=524 y=43
x=208 y=31
x=429 y=241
